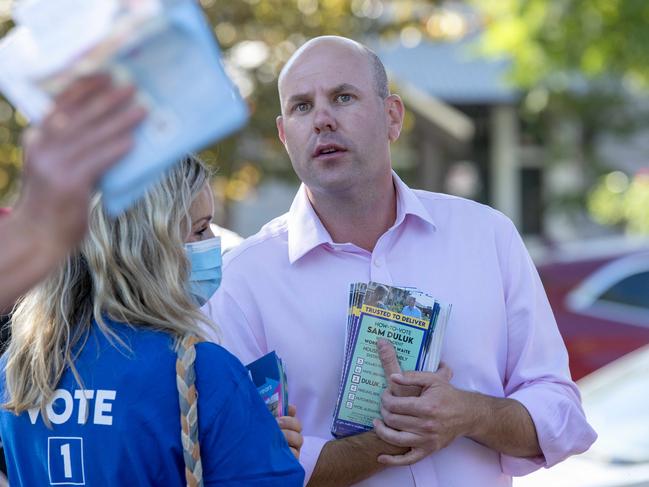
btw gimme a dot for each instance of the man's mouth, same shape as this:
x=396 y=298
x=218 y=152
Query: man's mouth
x=324 y=150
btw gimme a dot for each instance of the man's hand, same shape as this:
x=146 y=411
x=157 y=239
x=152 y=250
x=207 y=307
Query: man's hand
x=88 y=130
x=420 y=410
x=390 y=363
x=426 y=423
x=430 y=421
x=292 y=429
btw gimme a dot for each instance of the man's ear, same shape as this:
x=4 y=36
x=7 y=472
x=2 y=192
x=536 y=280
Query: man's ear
x=279 y=121
x=394 y=110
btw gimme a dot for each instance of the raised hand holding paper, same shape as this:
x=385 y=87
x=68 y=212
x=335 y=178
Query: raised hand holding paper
x=164 y=47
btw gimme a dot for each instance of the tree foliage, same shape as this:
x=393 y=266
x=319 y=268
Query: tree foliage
x=585 y=60
x=616 y=200
x=551 y=39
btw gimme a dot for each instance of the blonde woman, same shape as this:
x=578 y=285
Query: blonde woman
x=100 y=351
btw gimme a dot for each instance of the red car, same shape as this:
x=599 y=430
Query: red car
x=601 y=302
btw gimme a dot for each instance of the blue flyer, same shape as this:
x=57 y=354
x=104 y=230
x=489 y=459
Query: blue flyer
x=269 y=377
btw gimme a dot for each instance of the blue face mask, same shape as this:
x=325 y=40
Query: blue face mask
x=205 y=260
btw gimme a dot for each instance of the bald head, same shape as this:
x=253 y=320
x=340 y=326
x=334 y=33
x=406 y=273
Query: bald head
x=311 y=47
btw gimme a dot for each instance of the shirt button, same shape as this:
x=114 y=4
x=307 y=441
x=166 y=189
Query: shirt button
x=377 y=262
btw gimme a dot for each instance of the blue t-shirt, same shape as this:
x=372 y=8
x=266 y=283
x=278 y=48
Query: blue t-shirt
x=123 y=426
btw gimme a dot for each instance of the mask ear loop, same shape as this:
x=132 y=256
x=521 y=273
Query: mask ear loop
x=188 y=396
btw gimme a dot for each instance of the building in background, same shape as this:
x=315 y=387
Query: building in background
x=466 y=125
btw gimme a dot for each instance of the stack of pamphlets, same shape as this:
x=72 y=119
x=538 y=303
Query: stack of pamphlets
x=269 y=377
x=413 y=321
x=165 y=48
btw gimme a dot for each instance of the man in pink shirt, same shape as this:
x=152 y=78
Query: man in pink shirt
x=510 y=406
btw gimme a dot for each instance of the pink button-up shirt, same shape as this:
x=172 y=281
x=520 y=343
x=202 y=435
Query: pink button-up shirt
x=286 y=289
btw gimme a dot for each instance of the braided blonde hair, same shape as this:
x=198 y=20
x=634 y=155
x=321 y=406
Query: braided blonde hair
x=188 y=398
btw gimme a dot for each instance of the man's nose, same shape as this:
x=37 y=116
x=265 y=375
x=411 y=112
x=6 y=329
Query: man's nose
x=324 y=120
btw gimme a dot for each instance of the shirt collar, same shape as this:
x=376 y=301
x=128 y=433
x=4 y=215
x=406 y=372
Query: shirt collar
x=306 y=231
x=408 y=203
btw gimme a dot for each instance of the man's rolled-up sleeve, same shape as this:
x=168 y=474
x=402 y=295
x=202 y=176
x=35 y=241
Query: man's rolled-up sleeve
x=537 y=373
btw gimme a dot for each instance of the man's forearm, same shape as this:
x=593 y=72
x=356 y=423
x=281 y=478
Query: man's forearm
x=349 y=460
x=503 y=425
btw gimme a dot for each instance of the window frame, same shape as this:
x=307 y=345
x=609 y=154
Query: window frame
x=584 y=299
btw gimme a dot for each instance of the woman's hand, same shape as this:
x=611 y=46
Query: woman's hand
x=292 y=429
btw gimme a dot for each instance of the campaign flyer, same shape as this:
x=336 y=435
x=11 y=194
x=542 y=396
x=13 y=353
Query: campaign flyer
x=411 y=319
x=364 y=380
x=269 y=376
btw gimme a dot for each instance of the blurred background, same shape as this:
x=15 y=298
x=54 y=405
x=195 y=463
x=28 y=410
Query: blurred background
x=536 y=107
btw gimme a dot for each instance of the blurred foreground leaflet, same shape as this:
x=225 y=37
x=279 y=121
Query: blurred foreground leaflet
x=164 y=47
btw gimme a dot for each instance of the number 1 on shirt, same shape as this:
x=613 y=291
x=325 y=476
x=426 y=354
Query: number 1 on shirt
x=65 y=461
x=67 y=464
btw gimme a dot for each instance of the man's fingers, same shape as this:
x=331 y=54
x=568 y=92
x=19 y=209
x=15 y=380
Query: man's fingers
x=75 y=97
x=403 y=390
x=394 y=437
x=108 y=132
x=69 y=122
x=422 y=379
x=92 y=167
x=82 y=88
x=104 y=106
x=388 y=357
x=407 y=406
x=404 y=422
x=414 y=378
x=413 y=456
x=391 y=365
x=444 y=372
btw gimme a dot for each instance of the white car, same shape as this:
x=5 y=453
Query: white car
x=616 y=402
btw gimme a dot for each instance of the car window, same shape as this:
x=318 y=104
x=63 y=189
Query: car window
x=632 y=290
x=617 y=291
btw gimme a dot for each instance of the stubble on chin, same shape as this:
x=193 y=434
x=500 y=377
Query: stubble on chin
x=334 y=178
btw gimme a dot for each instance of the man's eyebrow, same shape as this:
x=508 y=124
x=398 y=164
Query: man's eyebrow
x=300 y=97
x=343 y=88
